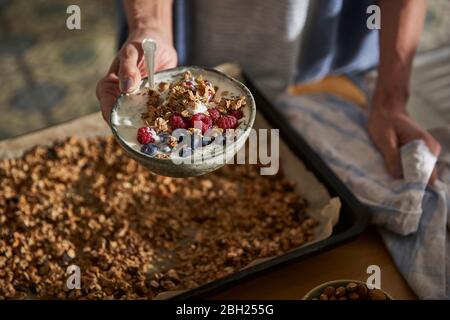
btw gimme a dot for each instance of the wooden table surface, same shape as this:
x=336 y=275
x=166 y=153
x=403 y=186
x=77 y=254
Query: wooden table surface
x=348 y=261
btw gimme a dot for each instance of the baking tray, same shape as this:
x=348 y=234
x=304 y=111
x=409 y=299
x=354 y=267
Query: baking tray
x=353 y=218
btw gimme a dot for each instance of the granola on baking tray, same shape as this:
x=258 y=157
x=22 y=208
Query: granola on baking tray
x=134 y=234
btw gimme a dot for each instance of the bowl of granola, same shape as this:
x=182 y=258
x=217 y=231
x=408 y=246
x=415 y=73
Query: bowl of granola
x=193 y=121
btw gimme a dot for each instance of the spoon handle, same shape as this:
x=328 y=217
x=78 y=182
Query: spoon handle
x=149 y=47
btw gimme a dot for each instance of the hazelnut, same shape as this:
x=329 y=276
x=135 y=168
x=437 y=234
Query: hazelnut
x=340 y=292
x=323 y=297
x=351 y=286
x=362 y=291
x=329 y=291
x=376 y=294
x=353 y=296
x=333 y=298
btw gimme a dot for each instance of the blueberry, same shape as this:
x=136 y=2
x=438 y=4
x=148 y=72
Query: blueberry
x=150 y=149
x=196 y=141
x=185 y=152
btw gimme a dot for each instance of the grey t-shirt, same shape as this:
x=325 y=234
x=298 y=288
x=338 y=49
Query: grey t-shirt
x=262 y=36
x=277 y=42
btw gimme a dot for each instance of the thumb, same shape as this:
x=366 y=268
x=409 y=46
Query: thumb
x=129 y=74
x=389 y=147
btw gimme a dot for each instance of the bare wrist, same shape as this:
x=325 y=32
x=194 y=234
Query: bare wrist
x=156 y=33
x=393 y=99
x=153 y=16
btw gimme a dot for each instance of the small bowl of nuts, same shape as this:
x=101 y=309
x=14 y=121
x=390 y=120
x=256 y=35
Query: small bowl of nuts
x=346 y=290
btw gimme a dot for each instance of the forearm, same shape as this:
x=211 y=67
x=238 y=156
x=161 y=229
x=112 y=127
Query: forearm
x=401 y=25
x=150 y=14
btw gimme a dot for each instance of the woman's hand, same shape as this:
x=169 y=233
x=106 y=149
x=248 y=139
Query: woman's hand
x=128 y=67
x=390 y=127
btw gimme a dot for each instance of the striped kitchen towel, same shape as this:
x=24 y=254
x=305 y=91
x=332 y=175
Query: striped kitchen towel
x=413 y=217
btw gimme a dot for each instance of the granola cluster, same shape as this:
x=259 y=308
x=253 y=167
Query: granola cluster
x=134 y=234
x=190 y=103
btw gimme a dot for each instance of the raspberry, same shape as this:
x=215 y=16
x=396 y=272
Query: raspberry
x=238 y=114
x=144 y=135
x=206 y=122
x=227 y=122
x=177 y=121
x=214 y=114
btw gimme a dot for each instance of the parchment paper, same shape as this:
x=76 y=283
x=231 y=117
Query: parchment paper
x=322 y=207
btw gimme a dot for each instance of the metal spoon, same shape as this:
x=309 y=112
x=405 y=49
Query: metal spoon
x=149 y=47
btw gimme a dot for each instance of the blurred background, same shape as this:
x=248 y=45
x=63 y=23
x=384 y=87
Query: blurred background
x=49 y=73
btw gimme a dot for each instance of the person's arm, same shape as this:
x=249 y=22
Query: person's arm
x=146 y=19
x=390 y=126
x=401 y=25
x=150 y=15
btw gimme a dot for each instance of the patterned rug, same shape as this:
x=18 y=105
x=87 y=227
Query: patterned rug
x=49 y=73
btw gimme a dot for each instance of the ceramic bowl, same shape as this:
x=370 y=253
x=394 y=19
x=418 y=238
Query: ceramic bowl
x=166 y=166
x=315 y=293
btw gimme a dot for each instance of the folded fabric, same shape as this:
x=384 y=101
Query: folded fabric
x=413 y=217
